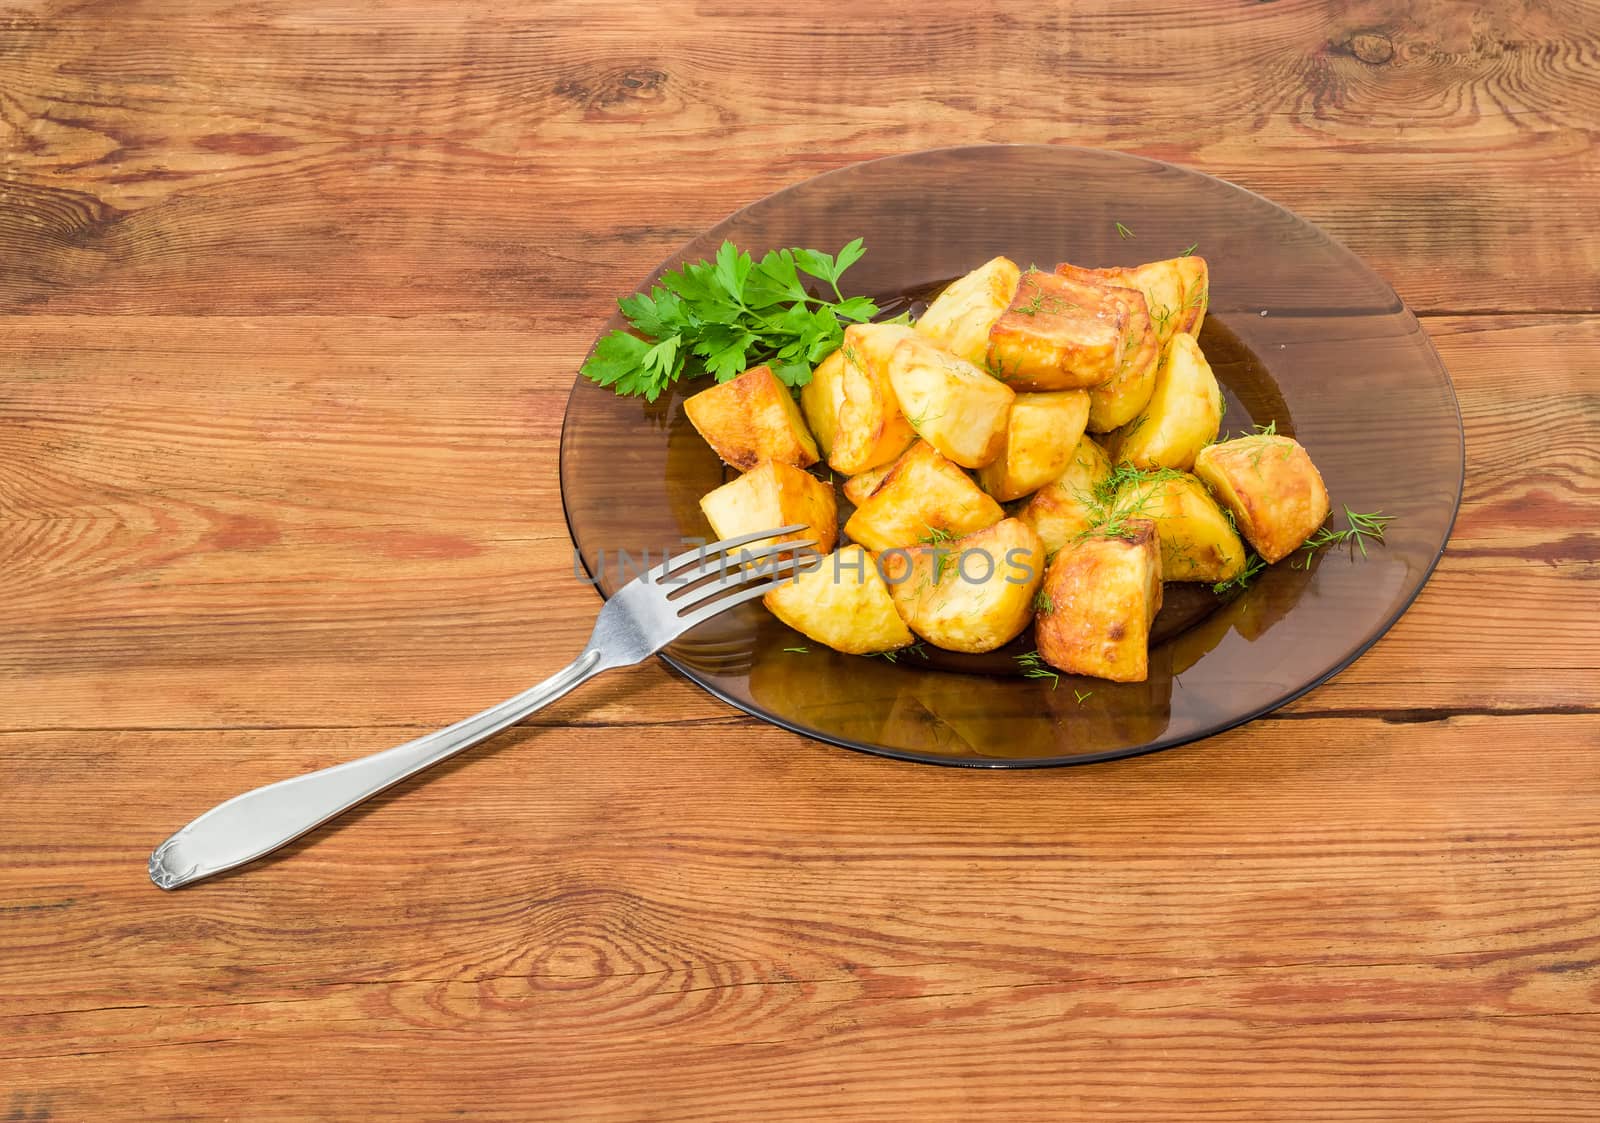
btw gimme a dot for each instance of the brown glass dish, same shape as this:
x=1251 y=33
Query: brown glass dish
x=1300 y=333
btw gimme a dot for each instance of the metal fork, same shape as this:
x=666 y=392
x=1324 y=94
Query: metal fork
x=644 y=616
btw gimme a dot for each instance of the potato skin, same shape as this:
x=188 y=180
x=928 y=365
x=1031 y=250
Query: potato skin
x=922 y=494
x=960 y=317
x=1060 y=510
x=871 y=429
x=973 y=594
x=1040 y=441
x=1058 y=333
x=1101 y=594
x=750 y=419
x=1118 y=401
x=1182 y=416
x=1275 y=492
x=843 y=603
x=774 y=494
x=1198 y=543
x=821 y=398
x=954 y=406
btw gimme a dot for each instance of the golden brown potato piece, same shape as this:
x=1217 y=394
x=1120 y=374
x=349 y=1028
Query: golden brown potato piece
x=923 y=495
x=1177 y=291
x=1274 y=491
x=1058 y=334
x=843 y=603
x=821 y=398
x=872 y=431
x=1198 y=543
x=954 y=406
x=750 y=419
x=1119 y=400
x=1182 y=416
x=859 y=488
x=960 y=317
x=1062 y=510
x=971 y=594
x=1040 y=441
x=1100 y=595
x=774 y=494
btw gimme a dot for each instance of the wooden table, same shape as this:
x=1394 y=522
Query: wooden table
x=291 y=296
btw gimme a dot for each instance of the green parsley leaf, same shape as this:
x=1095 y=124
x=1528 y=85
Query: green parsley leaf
x=724 y=316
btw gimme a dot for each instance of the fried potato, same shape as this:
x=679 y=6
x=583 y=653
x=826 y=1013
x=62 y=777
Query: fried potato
x=750 y=419
x=960 y=317
x=859 y=487
x=954 y=406
x=1100 y=595
x=1182 y=416
x=842 y=602
x=871 y=429
x=774 y=494
x=923 y=494
x=1198 y=543
x=1273 y=489
x=973 y=594
x=1177 y=291
x=1119 y=400
x=1058 y=333
x=1039 y=443
x=1061 y=510
x=821 y=399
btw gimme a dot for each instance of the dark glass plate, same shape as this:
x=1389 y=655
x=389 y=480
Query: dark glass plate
x=1300 y=332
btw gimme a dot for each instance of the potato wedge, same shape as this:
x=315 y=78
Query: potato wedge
x=1182 y=416
x=843 y=603
x=954 y=406
x=871 y=429
x=1273 y=489
x=1177 y=291
x=1100 y=595
x=774 y=494
x=750 y=419
x=1039 y=444
x=960 y=317
x=1058 y=334
x=972 y=594
x=924 y=494
x=1060 y=511
x=821 y=399
x=1118 y=401
x=1198 y=543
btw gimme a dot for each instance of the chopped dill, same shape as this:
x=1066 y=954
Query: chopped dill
x=799 y=650
x=1252 y=566
x=1082 y=695
x=1192 y=247
x=1034 y=666
x=1360 y=528
x=1123 y=232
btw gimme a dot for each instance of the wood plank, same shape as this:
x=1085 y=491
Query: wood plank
x=1378 y=928
x=355 y=522
x=411 y=159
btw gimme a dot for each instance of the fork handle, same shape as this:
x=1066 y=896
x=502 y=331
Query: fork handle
x=258 y=822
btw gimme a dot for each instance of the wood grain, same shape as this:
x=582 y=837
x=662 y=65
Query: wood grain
x=290 y=299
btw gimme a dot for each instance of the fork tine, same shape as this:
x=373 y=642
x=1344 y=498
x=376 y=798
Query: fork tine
x=732 y=564
x=705 y=553
x=691 y=595
x=704 y=612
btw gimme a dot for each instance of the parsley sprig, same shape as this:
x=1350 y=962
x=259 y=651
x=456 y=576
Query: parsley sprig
x=726 y=315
